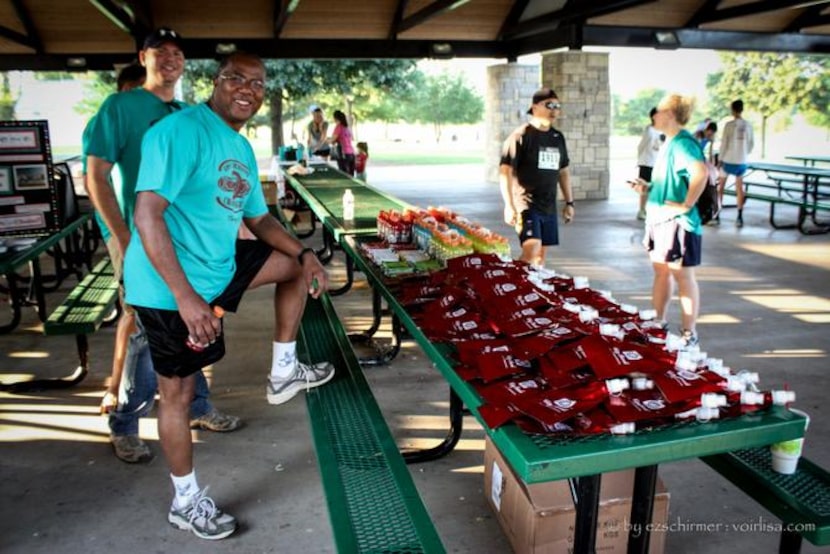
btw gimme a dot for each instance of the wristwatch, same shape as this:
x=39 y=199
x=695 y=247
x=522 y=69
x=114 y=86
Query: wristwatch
x=571 y=204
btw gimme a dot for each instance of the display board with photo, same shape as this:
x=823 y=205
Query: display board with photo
x=28 y=195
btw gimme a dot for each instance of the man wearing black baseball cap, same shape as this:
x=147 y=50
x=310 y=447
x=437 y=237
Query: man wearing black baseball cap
x=114 y=143
x=538 y=157
x=162 y=35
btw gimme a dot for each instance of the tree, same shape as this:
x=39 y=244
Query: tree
x=631 y=117
x=771 y=83
x=99 y=85
x=292 y=84
x=8 y=101
x=444 y=99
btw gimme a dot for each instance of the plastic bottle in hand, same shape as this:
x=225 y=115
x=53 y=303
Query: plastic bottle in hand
x=348 y=205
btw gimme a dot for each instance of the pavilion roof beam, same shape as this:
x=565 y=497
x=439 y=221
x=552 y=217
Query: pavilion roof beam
x=394 y=29
x=755 y=8
x=513 y=16
x=428 y=12
x=572 y=12
x=282 y=12
x=810 y=17
x=120 y=17
x=32 y=37
x=702 y=14
x=142 y=15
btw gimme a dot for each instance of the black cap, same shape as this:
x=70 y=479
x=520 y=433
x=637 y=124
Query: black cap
x=162 y=35
x=541 y=95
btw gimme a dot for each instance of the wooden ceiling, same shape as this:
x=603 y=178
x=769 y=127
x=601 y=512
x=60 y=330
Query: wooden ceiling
x=95 y=34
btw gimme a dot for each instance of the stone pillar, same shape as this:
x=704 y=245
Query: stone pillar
x=581 y=81
x=510 y=89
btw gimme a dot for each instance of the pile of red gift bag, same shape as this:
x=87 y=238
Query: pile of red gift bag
x=553 y=355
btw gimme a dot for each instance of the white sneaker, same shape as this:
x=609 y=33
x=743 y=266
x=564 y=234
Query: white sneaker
x=202 y=517
x=304 y=377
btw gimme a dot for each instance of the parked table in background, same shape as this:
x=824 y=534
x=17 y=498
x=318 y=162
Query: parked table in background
x=69 y=250
x=810 y=160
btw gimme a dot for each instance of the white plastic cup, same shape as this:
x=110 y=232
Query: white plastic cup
x=785 y=454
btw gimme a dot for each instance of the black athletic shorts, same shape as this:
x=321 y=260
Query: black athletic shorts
x=167 y=333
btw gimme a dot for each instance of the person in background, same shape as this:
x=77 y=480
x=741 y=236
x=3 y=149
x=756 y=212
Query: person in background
x=736 y=144
x=673 y=234
x=360 y=160
x=706 y=138
x=114 y=143
x=130 y=77
x=539 y=162
x=316 y=132
x=198 y=181
x=647 y=150
x=342 y=137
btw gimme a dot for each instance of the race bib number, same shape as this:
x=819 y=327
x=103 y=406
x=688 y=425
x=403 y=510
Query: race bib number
x=549 y=158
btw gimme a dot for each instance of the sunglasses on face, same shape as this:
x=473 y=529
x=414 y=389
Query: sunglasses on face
x=238 y=81
x=553 y=105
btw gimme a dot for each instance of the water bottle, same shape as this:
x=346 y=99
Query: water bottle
x=348 y=205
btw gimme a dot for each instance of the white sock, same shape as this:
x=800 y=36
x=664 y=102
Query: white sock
x=186 y=488
x=284 y=360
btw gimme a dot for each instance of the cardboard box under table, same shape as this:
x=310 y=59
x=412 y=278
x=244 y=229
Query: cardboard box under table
x=539 y=518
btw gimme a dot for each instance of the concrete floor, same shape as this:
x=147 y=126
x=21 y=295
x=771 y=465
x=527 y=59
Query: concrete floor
x=765 y=307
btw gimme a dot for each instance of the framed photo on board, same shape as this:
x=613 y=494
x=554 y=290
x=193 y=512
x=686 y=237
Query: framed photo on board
x=30 y=177
x=28 y=188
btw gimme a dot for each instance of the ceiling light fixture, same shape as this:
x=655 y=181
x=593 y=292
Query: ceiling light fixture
x=225 y=48
x=441 y=50
x=76 y=62
x=666 y=40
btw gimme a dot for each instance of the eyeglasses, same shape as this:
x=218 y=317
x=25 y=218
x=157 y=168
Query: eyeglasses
x=553 y=105
x=238 y=81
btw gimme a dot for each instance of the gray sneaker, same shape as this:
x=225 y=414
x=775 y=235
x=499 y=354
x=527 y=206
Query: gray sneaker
x=690 y=338
x=304 y=377
x=131 y=449
x=202 y=517
x=217 y=422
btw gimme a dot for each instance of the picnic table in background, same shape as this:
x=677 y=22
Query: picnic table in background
x=811 y=160
x=69 y=248
x=806 y=187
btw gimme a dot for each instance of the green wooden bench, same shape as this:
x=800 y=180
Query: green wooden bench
x=800 y=500
x=372 y=500
x=82 y=313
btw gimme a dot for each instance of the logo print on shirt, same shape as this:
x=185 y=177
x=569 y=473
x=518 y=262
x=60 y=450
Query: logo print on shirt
x=233 y=179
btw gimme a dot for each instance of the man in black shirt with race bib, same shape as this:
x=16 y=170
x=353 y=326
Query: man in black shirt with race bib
x=539 y=161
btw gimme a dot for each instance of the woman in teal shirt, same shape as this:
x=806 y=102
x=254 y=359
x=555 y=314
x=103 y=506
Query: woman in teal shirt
x=673 y=228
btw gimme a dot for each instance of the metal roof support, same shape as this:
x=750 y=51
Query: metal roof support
x=117 y=15
x=32 y=36
x=394 y=29
x=282 y=11
x=756 y=8
x=428 y=12
x=571 y=13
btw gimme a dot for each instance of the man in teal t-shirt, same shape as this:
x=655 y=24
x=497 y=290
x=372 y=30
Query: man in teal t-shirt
x=197 y=184
x=113 y=149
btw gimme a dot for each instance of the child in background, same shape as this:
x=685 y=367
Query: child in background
x=360 y=161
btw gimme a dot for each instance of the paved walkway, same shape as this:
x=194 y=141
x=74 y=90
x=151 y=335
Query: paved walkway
x=765 y=308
